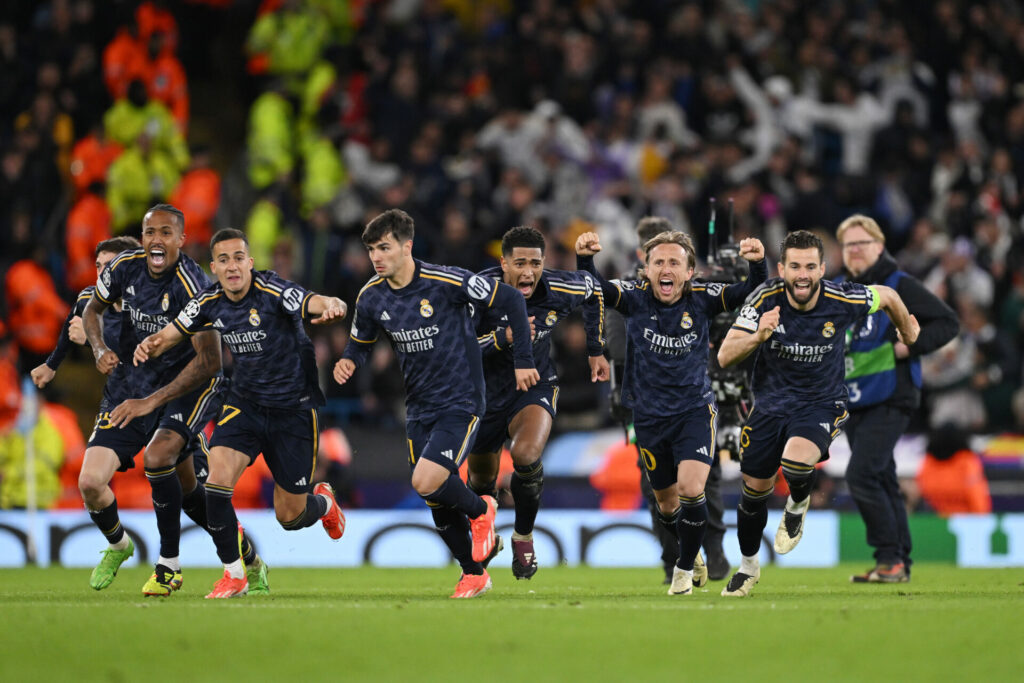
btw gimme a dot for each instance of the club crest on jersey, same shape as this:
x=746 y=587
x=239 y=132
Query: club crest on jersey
x=165 y=302
x=687 y=322
x=426 y=310
x=254 y=317
x=551 y=319
x=829 y=329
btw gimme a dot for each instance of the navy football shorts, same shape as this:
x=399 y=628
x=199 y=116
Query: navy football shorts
x=288 y=439
x=494 y=427
x=764 y=436
x=127 y=442
x=445 y=440
x=664 y=442
x=188 y=414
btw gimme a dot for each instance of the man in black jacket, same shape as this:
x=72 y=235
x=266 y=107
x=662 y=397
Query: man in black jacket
x=883 y=376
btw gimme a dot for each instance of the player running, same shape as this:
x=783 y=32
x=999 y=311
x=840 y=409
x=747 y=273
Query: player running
x=154 y=283
x=271 y=405
x=426 y=312
x=796 y=324
x=667 y=385
x=526 y=418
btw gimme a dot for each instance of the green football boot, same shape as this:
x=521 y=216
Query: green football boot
x=104 y=573
x=256 y=574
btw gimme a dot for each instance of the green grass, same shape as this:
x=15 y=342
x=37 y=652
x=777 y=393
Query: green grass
x=566 y=624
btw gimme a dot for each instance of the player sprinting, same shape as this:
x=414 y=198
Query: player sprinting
x=526 y=417
x=796 y=324
x=153 y=283
x=271 y=405
x=424 y=309
x=668 y=315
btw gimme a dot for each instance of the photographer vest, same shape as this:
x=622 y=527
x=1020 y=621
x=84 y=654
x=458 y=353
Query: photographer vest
x=871 y=358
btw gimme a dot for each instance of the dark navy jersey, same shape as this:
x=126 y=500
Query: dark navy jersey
x=275 y=365
x=149 y=305
x=666 y=370
x=430 y=325
x=111 y=331
x=802 y=362
x=558 y=294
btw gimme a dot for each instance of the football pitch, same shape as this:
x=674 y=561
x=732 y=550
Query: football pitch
x=566 y=624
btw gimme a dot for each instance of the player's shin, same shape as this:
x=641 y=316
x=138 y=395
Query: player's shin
x=800 y=478
x=109 y=523
x=453 y=528
x=454 y=493
x=691 y=523
x=193 y=504
x=527 y=485
x=223 y=525
x=167 y=500
x=751 y=518
x=316 y=507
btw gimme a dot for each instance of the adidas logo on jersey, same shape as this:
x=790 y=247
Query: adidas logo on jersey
x=703 y=450
x=781 y=329
x=178 y=416
x=301 y=482
x=826 y=426
x=130 y=291
x=219 y=324
x=202 y=473
x=545 y=401
x=385 y=316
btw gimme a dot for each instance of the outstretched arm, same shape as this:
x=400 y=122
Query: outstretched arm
x=155 y=345
x=587 y=245
x=907 y=327
x=325 y=309
x=510 y=301
x=206 y=364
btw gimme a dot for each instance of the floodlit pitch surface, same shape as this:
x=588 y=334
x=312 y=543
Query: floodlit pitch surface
x=566 y=624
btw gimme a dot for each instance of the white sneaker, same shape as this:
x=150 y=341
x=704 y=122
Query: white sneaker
x=740 y=584
x=700 y=570
x=791 y=528
x=682 y=582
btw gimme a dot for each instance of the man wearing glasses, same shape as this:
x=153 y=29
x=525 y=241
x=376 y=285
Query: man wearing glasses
x=883 y=376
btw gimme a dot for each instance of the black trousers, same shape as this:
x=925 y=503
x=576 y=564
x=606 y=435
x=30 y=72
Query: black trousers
x=871 y=476
x=715 y=532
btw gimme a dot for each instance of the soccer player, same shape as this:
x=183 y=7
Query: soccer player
x=526 y=418
x=153 y=283
x=73 y=331
x=425 y=310
x=796 y=324
x=271 y=405
x=668 y=315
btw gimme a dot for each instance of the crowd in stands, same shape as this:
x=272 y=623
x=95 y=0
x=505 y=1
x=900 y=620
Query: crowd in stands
x=474 y=117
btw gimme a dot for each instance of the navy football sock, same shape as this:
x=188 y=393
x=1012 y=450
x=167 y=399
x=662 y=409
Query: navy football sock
x=751 y=518
x=486 y=489
x=453 y=527
x=316 y=507
x=800 y=477
x=527 y=485
x=167 y=505
x=691 y=523
x=193 y=504
x=108 y=522
x=223 y=524
x=454 y=493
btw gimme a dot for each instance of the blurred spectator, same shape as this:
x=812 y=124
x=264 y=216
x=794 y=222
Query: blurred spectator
x=89 y=222
x=35 y=312
x=952 y=479
x=142 y=176
x=617 y=478
x=165 y=78
x=91 y=157
x=136 y=115
x=198 y=197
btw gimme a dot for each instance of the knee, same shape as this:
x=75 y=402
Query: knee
x=690 y=489
x=524 y=455
x=667 y=506
x=286 y=515
x=90 y=485
x=424 y=485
